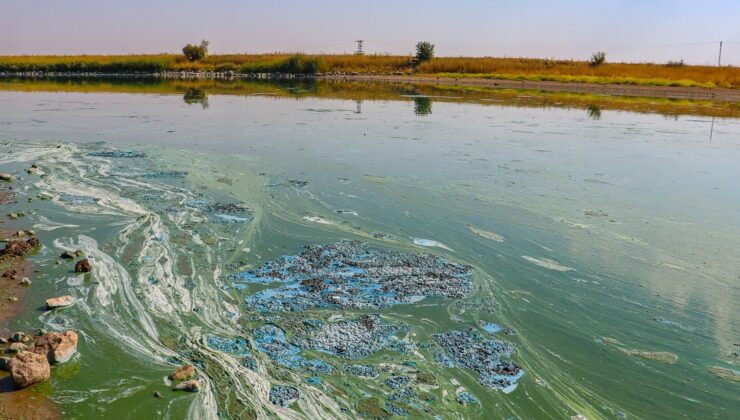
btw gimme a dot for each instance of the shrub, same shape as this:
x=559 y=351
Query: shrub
x=598 y=58
x=672 y=63
x=196 y=52
x=424 y=51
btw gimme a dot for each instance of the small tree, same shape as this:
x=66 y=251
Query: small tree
x=196 y=52
x=424 y=51
x=598 y=58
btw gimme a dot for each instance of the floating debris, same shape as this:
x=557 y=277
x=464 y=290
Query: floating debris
x=349 y=212
x=724 y=373
x=658 y=356
x=364 y=371
x=352 y=339
x=396 y=382
x=547 y=263
x=228 y=218
x=77 y=200
x=485 y=234
x=317 y=219
x=431 y=243
x=271 y=340
x=467 y=349
x=117 y=154
x=283 y=395
x=350 y=274
x=464 y=397
x=490 y=328
x=238 y=346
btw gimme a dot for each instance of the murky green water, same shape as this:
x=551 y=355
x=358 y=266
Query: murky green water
x=577 y=229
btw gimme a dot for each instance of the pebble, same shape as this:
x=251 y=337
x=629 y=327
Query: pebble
x=60 y=302
x=25 y=281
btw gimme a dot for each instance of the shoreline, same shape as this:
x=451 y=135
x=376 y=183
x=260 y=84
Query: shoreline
x=669 y=92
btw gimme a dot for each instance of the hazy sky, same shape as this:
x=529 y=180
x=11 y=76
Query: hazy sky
x=647 y=30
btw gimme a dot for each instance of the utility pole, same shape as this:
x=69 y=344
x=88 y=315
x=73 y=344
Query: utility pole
x=719 y=59
x=359 y=47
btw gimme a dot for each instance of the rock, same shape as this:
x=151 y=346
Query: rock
x=29 y=368
x=57 y=347
x=182 y=373
x=10 y=273
x=19 y=248
x=67 y=255
x=17 y=347
x=12 y=299
x=3 y=340
x=5 y=363
x=18 y=337
x=60 y=302
x=6 y=177
x=25 y=281
x=83 y=266
x=189 y=386
x=157 y=394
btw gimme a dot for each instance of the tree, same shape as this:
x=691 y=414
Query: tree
x=598 y=58
x=196 y=52
x=424 y=51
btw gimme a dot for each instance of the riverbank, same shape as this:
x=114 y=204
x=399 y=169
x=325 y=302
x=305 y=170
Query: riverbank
x=610 y=89
x=672 y=74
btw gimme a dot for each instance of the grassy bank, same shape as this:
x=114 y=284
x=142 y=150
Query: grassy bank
x=672 y=74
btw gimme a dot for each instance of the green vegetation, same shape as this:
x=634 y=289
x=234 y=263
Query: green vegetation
x=670 y=74
x=424 y=51
x=196 y=52
x=598 y=58
x=295 y=64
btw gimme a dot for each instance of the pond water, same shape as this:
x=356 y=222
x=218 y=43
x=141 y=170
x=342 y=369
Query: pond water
x=512 y=260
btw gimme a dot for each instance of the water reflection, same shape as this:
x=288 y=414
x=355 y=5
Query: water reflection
x=422 y=105
x=197 y=91
x=196 y=96
x=594 y=112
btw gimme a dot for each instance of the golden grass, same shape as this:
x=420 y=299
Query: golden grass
x=581 y=71
x=485 y=67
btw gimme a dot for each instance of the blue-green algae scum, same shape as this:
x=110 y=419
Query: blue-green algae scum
x=322 y=258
